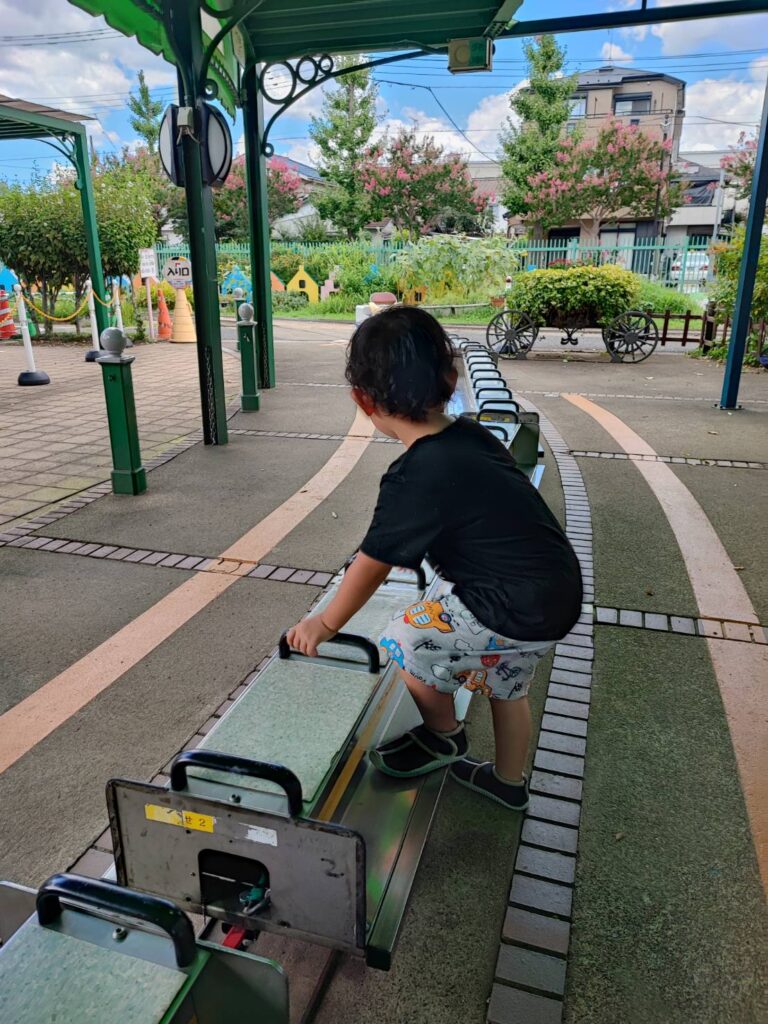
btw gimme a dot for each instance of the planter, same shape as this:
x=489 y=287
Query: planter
x=498 y=302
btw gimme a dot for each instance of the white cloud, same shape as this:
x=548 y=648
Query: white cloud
x=734 y=33
x=611 y=51
x=92 y=77
x=636 y=33
x=731 y=106
x=304 y=152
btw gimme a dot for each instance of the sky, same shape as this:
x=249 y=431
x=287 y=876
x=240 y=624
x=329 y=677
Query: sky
x=55 y=54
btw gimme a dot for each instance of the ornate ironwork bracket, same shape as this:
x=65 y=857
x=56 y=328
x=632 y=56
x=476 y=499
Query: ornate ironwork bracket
x=66 y=147
x=306 y=74
x=295 y=81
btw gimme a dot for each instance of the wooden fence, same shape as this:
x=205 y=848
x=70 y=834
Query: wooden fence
x=704 y=329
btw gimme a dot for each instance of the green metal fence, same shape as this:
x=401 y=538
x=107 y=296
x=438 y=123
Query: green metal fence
x=686 y=265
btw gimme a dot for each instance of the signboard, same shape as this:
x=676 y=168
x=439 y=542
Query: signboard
x=178 y=272
x=147 y=263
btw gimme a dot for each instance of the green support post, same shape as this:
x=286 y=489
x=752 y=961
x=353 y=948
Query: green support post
x=183 y=26
x=247 y=343
x=256 y=180
x=82 y=167
x=128 y=474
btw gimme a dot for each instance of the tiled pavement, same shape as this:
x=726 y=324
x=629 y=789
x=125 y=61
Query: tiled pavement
x=54 y=441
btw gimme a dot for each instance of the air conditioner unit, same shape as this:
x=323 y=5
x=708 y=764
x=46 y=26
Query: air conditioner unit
x=475 y=54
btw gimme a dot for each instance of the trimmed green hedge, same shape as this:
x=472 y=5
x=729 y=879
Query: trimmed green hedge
x=577 y=297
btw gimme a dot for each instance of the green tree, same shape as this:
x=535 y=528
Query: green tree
x=42 y=234
x=343 y=133
x=230 y=200
x=145 y=114
x=416 y=184
x=530 y=142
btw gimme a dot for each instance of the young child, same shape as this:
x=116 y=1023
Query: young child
x=513 y=585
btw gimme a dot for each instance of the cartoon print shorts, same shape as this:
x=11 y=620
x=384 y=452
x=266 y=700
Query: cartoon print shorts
x=441 y=643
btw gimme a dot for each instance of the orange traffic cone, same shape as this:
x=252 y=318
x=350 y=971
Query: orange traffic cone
x=164 y=326
x=183 y=324
x=7 y=326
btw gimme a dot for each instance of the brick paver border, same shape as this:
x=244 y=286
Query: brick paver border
x=530 y=972
x=702 y=626
x=168 y=559
x=648 y=396
x=674 y=459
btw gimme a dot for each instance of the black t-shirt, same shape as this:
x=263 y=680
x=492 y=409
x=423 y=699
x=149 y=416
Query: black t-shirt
x=457 y=499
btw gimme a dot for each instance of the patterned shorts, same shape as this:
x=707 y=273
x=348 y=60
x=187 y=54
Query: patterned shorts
x=441 y=643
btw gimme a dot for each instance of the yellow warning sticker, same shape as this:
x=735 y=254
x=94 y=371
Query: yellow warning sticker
x=184 y=819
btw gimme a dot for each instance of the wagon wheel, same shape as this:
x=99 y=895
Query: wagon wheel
x=631 y=337
x=511 y=333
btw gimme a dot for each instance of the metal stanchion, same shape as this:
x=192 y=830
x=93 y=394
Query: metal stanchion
x=128 y=475
x=92 y=354
x=246 y=340
x=31 y=376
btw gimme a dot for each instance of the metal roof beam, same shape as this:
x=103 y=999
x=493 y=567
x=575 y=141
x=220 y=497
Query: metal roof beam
x=641 y=16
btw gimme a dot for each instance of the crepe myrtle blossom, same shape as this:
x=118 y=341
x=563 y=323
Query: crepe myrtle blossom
x=621 y=169
x=414 y=182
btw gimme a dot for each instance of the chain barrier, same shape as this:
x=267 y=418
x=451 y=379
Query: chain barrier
x=73 y=316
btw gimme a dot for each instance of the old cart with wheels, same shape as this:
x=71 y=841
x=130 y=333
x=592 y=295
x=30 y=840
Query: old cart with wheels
x=629 y=338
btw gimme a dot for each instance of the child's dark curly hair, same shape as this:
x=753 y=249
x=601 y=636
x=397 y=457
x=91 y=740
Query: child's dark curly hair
x=402 y=359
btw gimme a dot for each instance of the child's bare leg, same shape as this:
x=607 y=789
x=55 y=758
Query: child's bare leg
x=512 y=734
x=436 y=708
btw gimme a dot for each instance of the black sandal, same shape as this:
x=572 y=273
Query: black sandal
x=420 y=751
x=482 y=778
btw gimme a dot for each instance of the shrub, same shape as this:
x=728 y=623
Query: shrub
x=728 y=256
x=450 y=263
x=660 y=299
x=168 y=292
x=285 y=261
x=289 y=300
x=576 y=297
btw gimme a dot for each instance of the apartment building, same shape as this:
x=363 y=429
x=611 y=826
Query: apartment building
x=655 y=104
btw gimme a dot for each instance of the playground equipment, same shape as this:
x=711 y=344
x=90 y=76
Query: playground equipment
x=87 y=950
x=31 y=376
x=276 y=823
x=183 y=324
x=629 y=338
x=329 y=287
x=302 y=282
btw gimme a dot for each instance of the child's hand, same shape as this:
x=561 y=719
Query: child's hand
x=307 y=634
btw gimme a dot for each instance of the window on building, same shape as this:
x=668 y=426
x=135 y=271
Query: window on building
x=626 y=106
x=579 y=107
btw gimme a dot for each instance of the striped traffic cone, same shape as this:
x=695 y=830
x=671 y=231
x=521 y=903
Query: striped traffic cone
x=7 y=326
x=164 y=325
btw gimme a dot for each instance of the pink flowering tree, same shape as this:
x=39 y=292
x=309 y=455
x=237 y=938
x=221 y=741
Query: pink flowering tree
x=739 y=165
x=416 y=184
x=622 y=171
x=230 y=202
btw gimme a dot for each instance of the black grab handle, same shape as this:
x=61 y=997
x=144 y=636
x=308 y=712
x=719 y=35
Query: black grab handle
x=349 y=640
x=487 y=409
x=234 y=765
x=98 y=895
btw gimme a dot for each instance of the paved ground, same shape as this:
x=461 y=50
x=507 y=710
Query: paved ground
x=668 y=919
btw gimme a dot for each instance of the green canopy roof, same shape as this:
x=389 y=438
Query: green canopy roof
x=282 y=29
